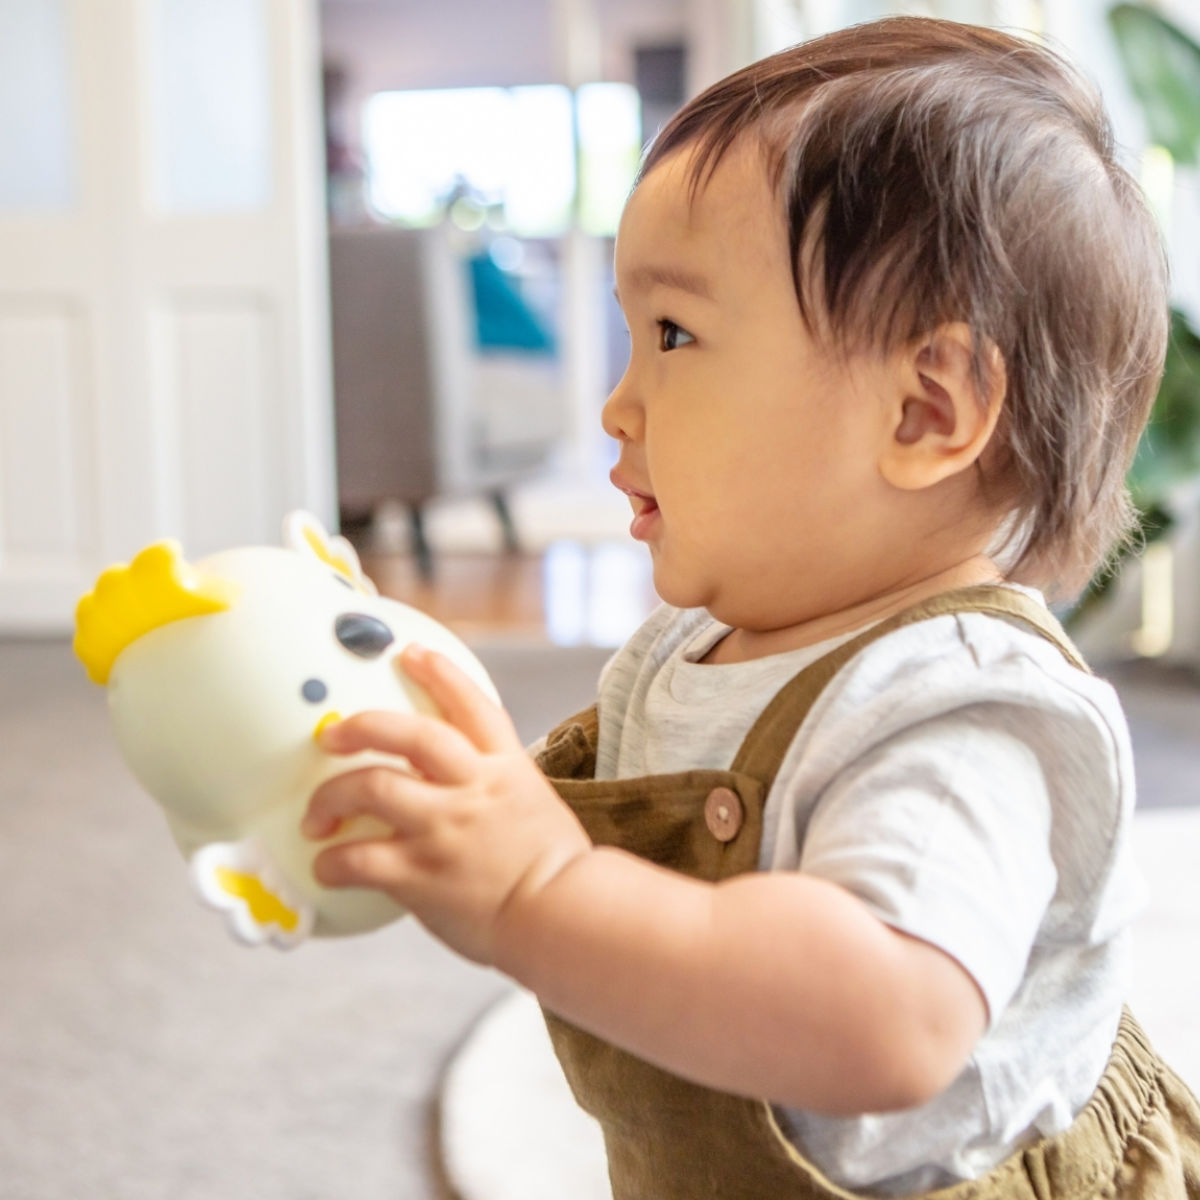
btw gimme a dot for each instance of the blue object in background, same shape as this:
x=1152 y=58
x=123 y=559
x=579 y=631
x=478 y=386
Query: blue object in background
x=503 y=320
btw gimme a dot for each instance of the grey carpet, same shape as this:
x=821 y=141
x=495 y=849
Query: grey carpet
x=143 y=1055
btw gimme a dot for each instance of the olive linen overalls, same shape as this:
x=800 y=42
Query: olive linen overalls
x=669 y=1139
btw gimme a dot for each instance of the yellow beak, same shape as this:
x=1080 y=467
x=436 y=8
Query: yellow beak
x=330 y=718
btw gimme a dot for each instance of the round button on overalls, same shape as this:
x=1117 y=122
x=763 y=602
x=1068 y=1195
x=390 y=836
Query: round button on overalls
x=723 y=813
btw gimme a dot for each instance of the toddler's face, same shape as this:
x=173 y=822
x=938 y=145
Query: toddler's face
x=747 y=447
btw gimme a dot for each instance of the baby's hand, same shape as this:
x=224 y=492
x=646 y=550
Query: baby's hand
x=478 y=831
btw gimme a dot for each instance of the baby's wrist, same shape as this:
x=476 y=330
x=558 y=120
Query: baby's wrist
x=541 y=911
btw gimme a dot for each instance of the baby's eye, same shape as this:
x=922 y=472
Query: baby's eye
x=672 y=336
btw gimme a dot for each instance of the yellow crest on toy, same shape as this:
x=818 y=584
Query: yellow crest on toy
x=129 y=601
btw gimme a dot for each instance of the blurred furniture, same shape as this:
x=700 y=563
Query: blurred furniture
x=422 y=411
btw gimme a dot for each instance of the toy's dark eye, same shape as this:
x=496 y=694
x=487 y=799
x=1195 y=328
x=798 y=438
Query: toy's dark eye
x=314 y=691
x=368 y=637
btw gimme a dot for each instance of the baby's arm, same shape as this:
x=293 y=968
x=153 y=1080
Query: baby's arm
x=769 y=984
x=772 y=984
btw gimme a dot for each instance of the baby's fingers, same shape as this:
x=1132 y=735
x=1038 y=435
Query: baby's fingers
x=366 y=864
x=392 y=796
x=437 y=750
x=461 y=700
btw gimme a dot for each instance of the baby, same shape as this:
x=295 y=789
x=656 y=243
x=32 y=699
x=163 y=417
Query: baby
x=830 y=890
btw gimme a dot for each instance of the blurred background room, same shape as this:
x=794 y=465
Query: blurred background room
x=355 y=256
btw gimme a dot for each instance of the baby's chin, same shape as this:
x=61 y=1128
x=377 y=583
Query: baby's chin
x=681 y=592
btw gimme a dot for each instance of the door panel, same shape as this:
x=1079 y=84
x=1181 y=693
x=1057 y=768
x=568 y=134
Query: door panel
x=164 y=361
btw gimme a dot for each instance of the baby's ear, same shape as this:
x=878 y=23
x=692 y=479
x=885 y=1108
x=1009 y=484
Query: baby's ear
x=939 y=419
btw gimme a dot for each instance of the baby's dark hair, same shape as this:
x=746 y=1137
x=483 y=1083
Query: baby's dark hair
x=934 y=172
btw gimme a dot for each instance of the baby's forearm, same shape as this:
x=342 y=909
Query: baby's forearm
x=776 y=985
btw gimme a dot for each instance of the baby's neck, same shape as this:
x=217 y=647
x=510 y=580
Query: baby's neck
x=742 y=645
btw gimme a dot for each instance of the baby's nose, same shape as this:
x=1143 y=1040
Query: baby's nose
x=621 y=415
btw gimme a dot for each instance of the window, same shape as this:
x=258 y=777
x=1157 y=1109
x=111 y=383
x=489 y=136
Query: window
x=504 y=156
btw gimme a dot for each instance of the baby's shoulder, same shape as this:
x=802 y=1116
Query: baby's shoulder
x=971 y=661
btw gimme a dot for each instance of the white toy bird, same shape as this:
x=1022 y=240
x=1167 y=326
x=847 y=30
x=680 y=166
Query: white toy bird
x=219 y=676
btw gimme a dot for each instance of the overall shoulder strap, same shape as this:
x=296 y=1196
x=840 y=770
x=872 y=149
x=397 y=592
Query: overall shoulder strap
x=770 y=736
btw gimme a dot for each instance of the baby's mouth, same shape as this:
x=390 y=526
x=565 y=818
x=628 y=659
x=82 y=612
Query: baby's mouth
x=645 y=507
x=645 y=516
x=634 y=494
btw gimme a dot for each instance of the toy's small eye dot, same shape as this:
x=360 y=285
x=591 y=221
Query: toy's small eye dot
x=314 y=691
x=363 y=635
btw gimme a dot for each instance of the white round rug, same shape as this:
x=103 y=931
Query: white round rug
x=511 y=1130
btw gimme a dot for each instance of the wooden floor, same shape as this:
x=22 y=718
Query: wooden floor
x=573 y=594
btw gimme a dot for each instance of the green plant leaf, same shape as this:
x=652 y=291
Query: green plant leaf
x=1167 y=455
x=1169 y=452
x=1163 y=67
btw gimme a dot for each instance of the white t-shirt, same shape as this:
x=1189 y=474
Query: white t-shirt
x=973 y=790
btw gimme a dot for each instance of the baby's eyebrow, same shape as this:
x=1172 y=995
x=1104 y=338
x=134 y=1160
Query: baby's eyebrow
x=647 y=275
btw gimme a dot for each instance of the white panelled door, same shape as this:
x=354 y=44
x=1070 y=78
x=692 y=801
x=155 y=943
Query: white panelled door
x=163 y=301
